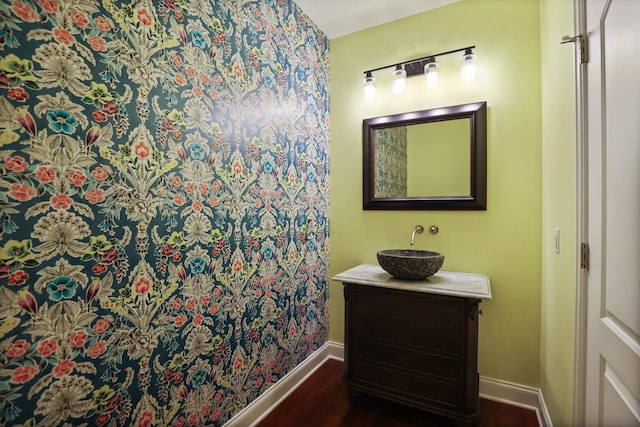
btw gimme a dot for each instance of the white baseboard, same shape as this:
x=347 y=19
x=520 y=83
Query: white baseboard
x=516 y=395
x=496 y=390
x=259 y=408
x=543 y=413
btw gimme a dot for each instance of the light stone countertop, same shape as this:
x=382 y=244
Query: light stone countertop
x=466 y=285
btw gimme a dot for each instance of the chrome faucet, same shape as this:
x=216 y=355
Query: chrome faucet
x=418 y=229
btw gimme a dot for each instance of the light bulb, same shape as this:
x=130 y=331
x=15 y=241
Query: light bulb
x=469 y=66
x=399 y=80
x=431 y=73
x=369 y=86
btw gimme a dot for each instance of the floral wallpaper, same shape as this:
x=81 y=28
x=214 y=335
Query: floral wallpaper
x=390 y=161
x=163 y=207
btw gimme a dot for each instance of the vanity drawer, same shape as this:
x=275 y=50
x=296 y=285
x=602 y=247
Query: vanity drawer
x=408 y=358
x=403 y=332
x=405 y=385
x=437 y=310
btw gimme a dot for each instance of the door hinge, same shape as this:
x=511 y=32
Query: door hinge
x=584 y=256
x=582 y=46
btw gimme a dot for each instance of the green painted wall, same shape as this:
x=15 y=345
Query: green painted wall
x=558 y=210
x=504 y=241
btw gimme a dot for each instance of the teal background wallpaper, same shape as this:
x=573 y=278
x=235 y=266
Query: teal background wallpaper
x=164 y=207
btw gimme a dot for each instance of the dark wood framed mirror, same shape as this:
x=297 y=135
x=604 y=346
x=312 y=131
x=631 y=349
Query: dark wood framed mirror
x=426 y=160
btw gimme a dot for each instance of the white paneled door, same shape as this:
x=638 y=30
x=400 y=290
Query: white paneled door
x=612 y=127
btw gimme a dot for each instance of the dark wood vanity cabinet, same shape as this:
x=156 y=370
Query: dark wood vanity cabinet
x=414 y=348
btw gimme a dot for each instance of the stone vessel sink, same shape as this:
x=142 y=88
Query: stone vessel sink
x=410 y=264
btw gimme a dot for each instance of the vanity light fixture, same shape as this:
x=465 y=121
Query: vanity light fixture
x=469 y=65
x=427 y=66
x=369 y=85
x=431 y=73
x=399 y=80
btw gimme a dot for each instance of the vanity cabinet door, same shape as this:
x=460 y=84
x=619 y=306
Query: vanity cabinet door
x=413 y=348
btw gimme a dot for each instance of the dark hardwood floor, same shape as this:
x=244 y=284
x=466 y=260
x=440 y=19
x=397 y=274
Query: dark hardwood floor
x=322 y=401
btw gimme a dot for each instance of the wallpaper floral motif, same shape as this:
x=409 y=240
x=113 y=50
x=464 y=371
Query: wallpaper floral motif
x=163 y=207
x=390 y=161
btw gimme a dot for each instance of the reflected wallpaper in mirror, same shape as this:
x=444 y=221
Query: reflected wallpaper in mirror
x=391 y=162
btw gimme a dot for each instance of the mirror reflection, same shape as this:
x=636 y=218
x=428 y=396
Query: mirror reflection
x=423 y=160
x=429 y=159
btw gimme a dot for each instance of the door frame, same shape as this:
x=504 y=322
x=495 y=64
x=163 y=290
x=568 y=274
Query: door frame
x=582 y=235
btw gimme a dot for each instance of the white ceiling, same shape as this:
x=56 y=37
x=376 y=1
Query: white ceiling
x=340 y=17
